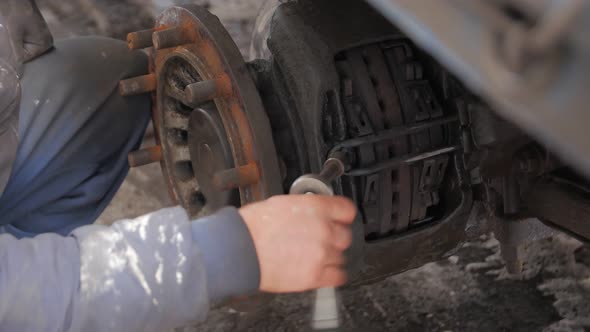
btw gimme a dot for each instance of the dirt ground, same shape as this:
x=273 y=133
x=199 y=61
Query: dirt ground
x=470 y=291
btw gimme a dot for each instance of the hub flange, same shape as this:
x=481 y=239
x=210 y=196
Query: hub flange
x=215 y=137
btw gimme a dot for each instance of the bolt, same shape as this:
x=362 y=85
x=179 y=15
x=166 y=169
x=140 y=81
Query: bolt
x=145 y=156
x=140 y=39
x=237 y=177
x=334 y=167
x=199 y=92
x=170 y=37
x=138 y=85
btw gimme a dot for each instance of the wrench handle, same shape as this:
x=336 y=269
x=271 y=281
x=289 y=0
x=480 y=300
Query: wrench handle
x=325 y=314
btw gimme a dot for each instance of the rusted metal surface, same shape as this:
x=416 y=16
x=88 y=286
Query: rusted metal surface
x=210 y=152
x=208 y=115
x=145 y=156
x=393 y=133
x=140 y=39
x=334 y=167
x=200 y=92
x=138 y=85
x=409 y=159
x=236 y=177
x=173 y=37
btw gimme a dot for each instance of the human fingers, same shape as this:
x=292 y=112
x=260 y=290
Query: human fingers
x=335 y=208
x=341 y=236
x=332 y=276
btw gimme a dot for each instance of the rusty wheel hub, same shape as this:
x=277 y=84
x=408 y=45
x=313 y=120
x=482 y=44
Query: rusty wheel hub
x=215 y=141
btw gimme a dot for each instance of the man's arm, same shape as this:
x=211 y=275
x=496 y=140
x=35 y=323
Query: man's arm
x=160 y=271
x=150 y=274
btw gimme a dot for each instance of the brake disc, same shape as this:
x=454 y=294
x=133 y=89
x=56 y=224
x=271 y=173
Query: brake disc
x=214 y=139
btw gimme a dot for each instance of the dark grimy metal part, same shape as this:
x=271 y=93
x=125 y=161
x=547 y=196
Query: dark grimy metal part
x=511 y=194
x=417 y=246
x=561 y=204
x=386 y=87
x=515 y=235
x=346 y=82
x=548 y=96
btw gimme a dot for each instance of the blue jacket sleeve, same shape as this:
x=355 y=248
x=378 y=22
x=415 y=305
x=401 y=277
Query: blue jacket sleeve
x=153 y=273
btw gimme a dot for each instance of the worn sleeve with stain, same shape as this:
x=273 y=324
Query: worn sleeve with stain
x=153 y=273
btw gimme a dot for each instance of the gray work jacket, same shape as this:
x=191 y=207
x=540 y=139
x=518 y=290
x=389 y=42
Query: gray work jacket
x=154 y=273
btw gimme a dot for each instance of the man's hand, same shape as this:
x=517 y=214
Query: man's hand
x=300 y=241
x=29 y=33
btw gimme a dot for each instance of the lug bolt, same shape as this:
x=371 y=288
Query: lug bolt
x=236 y=177
x=138 y=85
x=145 y=156
x=140 y=39
x=170 y=37
x=199 y=92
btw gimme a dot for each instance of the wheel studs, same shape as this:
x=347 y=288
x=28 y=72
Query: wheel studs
x=159 y=38
x=145 y=156
x=170 y=37
x=140 y=39
x=199 y=92
x=138 y=85
x=237 y=177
